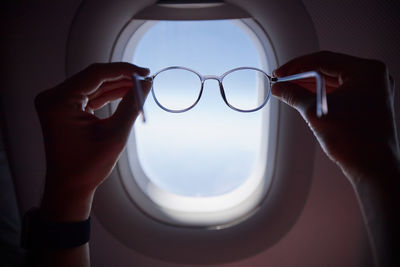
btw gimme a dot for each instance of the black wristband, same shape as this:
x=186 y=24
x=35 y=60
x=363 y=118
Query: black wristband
x=39 y=233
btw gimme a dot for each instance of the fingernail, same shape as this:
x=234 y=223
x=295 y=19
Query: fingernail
x=278 y=72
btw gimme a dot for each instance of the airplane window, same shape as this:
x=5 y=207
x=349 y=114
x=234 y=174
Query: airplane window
x=210 y=173
x=211 y=151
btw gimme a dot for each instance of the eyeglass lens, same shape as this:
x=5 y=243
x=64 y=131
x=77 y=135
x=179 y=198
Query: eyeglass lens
x=177 y=89
x=246 y=89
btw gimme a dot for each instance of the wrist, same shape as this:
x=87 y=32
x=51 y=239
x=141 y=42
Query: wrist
x=379 y=200
x=380 y=164
x=39 y=233
x=65 y=205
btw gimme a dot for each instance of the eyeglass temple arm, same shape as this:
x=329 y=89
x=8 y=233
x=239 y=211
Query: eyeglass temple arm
x=322 y=104
x=139 y=93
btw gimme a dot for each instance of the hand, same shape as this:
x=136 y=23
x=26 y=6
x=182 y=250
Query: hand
x=81 y=149
x=359 y=132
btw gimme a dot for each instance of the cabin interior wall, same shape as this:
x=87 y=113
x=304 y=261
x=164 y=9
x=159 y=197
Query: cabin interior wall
x=329 y=232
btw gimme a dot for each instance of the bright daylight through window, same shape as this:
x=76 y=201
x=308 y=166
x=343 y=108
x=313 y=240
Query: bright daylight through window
x=210 y=150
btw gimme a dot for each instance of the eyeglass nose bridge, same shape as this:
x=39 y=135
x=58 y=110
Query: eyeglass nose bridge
x=211 y=77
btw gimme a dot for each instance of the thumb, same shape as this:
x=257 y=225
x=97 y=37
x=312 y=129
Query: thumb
x=293 y=95
x=128 y=110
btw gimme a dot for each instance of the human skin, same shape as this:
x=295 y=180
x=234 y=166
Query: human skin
x=81 y=149
x=358 y=134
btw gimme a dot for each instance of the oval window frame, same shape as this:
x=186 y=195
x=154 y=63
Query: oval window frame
x=222 y=211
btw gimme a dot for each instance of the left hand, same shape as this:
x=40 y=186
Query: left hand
x=81 y=149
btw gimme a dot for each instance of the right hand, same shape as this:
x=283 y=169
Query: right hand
x=359 y=131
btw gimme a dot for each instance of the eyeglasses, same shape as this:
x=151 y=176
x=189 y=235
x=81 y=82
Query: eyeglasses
x=246 y=89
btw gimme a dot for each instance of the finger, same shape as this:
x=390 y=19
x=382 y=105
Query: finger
x=89 y=80
x=328 y=63
x=110 y=92
x=293 y=95
x=110 y=86
x=331 y=84
x=106 y=97
x=127 y=110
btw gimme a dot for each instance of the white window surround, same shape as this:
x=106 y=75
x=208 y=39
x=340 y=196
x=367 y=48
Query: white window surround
x=210 y=212
x=95 y=28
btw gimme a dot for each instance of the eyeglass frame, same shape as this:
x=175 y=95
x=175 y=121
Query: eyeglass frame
x=321 y=106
